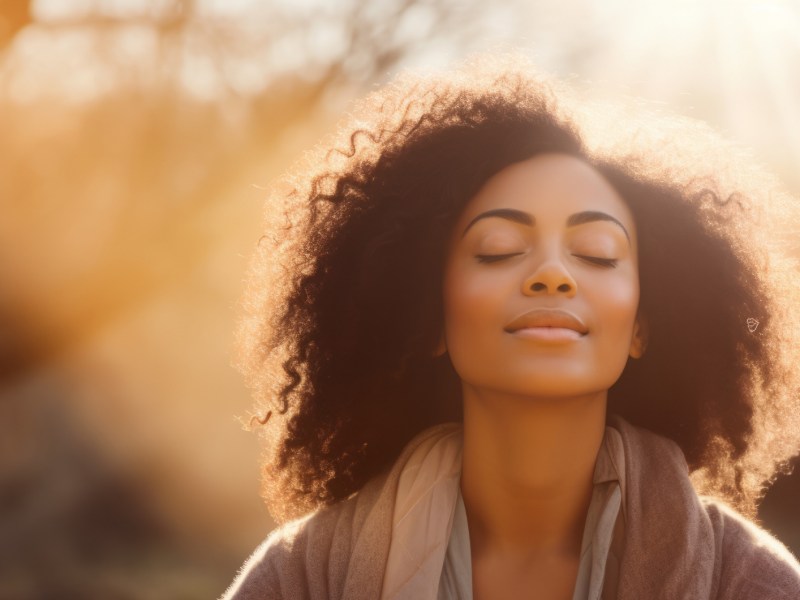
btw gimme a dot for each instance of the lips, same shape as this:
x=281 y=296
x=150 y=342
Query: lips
x=542 y=319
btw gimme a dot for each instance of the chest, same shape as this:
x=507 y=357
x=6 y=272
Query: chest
x=548 y=578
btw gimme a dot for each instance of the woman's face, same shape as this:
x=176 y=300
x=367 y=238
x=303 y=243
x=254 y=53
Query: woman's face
x=541 y=285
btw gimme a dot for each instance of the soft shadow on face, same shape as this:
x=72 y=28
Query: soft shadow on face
x=541 y=285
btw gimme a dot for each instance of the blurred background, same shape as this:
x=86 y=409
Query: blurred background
x=136 y=140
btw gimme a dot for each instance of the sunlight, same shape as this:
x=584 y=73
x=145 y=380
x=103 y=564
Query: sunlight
x=733 y=63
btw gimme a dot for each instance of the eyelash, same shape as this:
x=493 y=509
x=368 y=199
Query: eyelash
x=491 y=258
x=594 y=260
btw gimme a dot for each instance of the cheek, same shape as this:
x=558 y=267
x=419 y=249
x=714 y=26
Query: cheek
x=473 y=304
x=471 y=300
x=617 y=307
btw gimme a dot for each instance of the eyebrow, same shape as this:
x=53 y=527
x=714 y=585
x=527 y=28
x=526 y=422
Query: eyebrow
x=589 y=216
x=510 y=214
x=518 y=216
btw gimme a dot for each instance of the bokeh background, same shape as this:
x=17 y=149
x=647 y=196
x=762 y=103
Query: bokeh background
x=136 y=141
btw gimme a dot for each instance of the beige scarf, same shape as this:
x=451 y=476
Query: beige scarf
x=424 y=514
x=677 y=545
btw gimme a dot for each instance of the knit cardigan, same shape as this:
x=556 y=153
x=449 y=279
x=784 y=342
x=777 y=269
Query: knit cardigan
x=678 y=545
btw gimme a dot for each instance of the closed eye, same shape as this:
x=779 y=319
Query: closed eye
x=491 y=258
x=596 y=260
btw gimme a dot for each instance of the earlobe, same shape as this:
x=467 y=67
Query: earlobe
x=640 y=337
x=441 y=347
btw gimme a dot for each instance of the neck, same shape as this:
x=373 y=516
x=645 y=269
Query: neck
x=527 y=470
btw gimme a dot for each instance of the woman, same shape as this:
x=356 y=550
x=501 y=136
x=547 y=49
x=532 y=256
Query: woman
x=594 y=315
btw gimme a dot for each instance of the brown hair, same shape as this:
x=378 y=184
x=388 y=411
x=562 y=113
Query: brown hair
x=344 y=307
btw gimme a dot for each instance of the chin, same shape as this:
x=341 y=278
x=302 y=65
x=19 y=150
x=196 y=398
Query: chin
x=558 y=393
x=552 y=385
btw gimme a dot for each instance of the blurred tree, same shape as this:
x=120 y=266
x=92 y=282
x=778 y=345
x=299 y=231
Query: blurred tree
x=153 y=138
x=14 y=15
x=126 y=130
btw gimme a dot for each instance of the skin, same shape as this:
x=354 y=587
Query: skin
x=535 y=382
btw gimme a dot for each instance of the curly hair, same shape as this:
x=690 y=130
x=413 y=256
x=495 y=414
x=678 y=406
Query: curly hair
x=344 y=306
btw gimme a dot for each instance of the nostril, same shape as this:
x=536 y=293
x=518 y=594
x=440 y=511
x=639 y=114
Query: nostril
x=564 y=287
x=538 y=286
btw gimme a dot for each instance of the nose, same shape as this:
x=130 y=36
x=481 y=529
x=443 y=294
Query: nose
x=550 y=277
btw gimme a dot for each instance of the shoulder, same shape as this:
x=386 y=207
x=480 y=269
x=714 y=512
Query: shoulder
x=308 y=557
x=717 y=551
x=277 y=564
x=339 y=551
x=753 y=563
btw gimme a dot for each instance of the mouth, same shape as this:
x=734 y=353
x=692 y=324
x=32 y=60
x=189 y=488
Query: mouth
x=546 y=324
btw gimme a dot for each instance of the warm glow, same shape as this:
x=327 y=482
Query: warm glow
x=136 y=143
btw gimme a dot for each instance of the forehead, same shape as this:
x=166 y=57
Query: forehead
x=550 y=187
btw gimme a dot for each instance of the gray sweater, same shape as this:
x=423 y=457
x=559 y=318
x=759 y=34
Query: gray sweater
x=678 y=545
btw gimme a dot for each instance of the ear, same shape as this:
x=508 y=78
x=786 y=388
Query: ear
x=441 y=347
x=641 y=334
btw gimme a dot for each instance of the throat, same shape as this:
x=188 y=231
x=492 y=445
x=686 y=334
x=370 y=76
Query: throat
x=527 y=475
